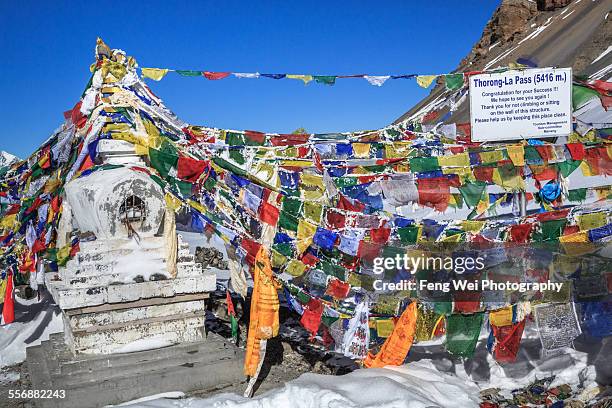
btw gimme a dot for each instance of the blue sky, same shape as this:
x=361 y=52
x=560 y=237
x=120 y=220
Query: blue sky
x=47 y=47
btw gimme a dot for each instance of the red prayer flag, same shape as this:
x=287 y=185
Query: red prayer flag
x=268 y=213
x=576 y=150
x=520 y=233
x=380 y=235
x=251 y=248
x=215 y=75
x=309 y=259
x=507 y=341
x=337 y=288
x=289 y=139
x=484 y=173
x=335 y=220
x=190 y=169
x=311 y=318
x=350 y=204
x=434 y=192
x=230 y=305
x=87 y=163
x=257 y=137
x=545 y=152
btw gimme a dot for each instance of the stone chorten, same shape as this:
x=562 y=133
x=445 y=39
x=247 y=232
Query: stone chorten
x=133 y=283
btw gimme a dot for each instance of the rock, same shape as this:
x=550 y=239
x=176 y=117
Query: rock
x=549 y=5
x=210 y=257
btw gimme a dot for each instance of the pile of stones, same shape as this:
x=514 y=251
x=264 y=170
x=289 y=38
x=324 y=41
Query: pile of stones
x=210 y=257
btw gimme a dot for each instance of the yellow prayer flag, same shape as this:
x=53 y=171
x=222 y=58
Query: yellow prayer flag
x=361 y=150
x=197 y=206
x=304 y=78
x=514 y=183
x=155 y=74
x=592 y=220
x=305 y=233
x=472 y=226
x=384 y=327
x=577 y=244
x=295 y=268
x=586 y=169
x=501 y=317
x=278 y=259
x=491 y=157
x=141 y=150
x=172 y=202
x=8 y=221
x=425 y=80
x=456 y=160
x=464 y=173
x=516 y=154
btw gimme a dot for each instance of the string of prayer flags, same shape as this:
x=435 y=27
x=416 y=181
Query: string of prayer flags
x=452 y=82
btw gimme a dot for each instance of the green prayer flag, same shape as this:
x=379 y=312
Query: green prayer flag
x=328 y=320
x=567 y=167
x=472 y=193
x=444 y=308
x=234 y=323
x=302 y=297
x=287 y=221
x=224 y=164
x=189 y=73
x=462 y=332
x=292 y=206
x=210 y=184
x=453 y=81
x=237 y=156
x=234 y=139
x=532 y=156
x=409 y=234
x=578 y=194
x=162 y=162
x=581 y=95
x=345 y=181
x=550 y=230
x=332 y=269
x=284 y=248
x=325 y=79
x=423 y=164
x=184 y=187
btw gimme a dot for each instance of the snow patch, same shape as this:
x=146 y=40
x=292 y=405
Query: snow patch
x=569 y=14
x=144 y=345
x=603 y=54
x=16 y=337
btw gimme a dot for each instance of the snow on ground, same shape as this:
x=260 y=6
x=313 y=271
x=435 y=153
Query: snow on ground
x=417 y=385
x=430 y=378
x=34 y=322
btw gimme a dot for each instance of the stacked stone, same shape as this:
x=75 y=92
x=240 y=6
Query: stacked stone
x=210 y=257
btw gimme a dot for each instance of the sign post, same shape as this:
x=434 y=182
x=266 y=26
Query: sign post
x=525 y=104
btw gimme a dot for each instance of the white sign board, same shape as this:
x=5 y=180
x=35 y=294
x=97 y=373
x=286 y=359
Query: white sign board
x=521 y=104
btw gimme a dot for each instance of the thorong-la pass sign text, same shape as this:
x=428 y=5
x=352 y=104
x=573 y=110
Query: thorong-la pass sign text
x=521 y=104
